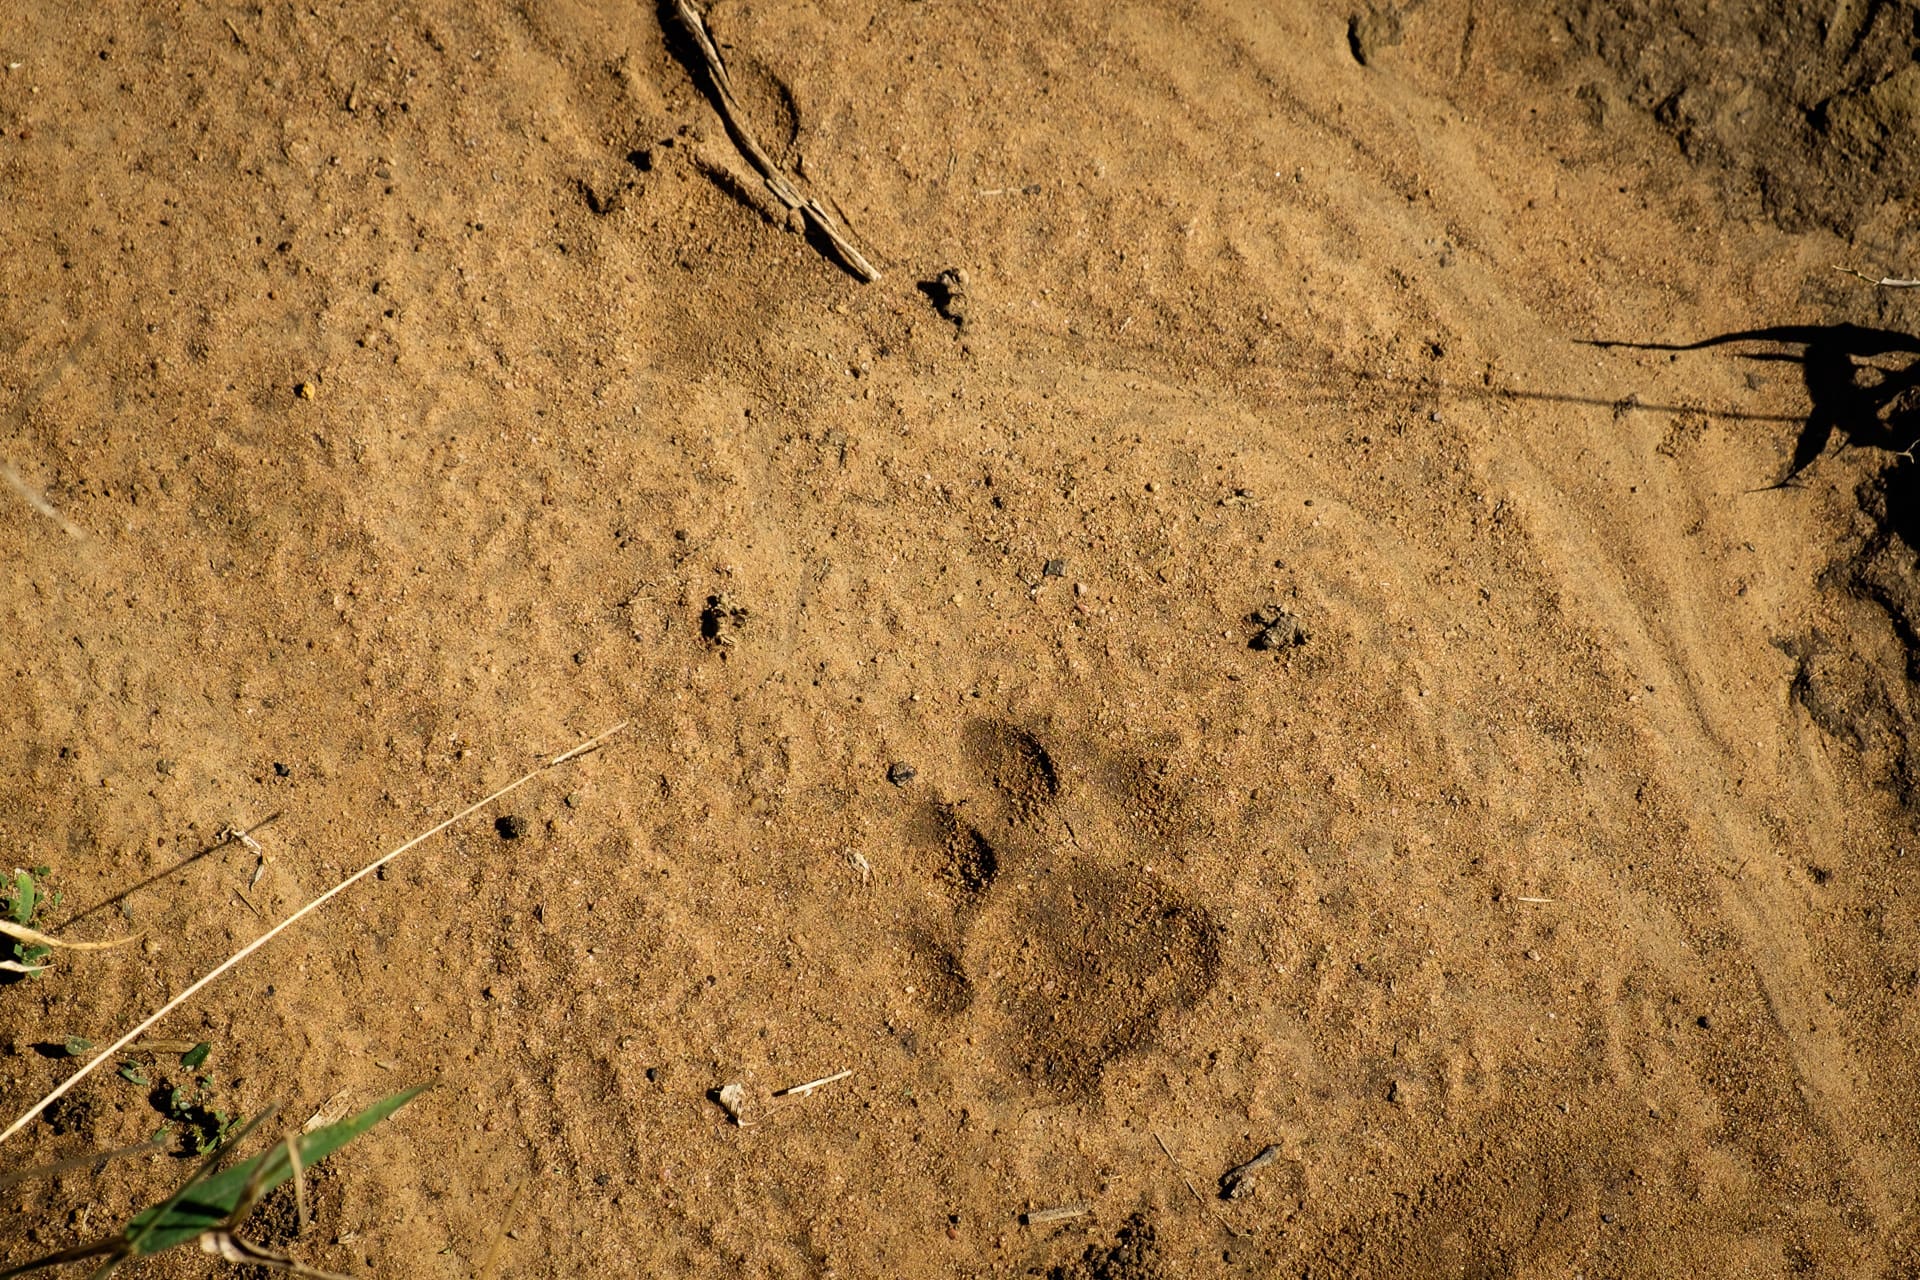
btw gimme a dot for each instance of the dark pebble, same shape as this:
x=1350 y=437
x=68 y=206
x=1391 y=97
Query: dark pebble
x=900 y=773
x=282 y=770
x=512 y=826
x=1055 y=569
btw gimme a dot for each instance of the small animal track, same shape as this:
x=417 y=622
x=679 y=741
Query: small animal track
x=1016 y=764
x=968 y=860
x=1065 y=951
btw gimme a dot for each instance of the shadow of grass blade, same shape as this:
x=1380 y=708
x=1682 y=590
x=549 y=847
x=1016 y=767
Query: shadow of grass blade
x=80 y=1253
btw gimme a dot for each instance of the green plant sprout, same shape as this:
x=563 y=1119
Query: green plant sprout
x=206 y=1126
x=191 y=1106
x=24 y=901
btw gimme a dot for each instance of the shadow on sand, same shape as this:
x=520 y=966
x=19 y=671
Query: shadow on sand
x=1863 y=385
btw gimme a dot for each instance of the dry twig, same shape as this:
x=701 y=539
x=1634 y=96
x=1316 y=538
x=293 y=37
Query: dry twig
x=802 y=1090
x=778 y=182
x=1884 y=282
x=1191 y=1189
x=231 y=961
x=1066 y=1212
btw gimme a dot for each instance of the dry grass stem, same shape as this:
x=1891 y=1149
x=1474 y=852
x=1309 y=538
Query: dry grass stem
x=802 y=1090
x=234 y=960
x=22 y=933
x=1880 y=282
x=490 y=1265
x=35 y=499
x=27 y=493
x=1041 y=1217
x=79 y=1162
x=1191 y=1189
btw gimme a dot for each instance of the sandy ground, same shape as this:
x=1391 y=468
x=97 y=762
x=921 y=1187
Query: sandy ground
x=422 y=389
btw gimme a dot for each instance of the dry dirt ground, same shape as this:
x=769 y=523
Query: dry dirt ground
x=420 y=389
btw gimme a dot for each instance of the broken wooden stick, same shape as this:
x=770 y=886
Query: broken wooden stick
x=1886 y=282
x=782 y=186
x=802 y=1090
x=1065 y=1213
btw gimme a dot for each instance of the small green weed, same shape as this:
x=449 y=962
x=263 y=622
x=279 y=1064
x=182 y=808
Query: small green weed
x=22 y=902
x=193 y=1105
x=210 y=1207
x=203 y=1125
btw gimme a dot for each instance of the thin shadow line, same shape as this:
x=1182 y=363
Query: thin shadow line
x=1621 y=404
x=219 y=842
x=1845 y=399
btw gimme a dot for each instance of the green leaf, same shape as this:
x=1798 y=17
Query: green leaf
x=43 y=872
x=77 y=1045
x=24 y=898
x=131 y=1071
x=208 y=1205
x=193 y=1057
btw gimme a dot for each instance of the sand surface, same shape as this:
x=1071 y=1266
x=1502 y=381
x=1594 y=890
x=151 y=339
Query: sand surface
x=417 y=390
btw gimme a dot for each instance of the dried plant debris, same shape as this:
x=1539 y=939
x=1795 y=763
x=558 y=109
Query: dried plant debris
x=948 y=293
x=819 y=225
x=735 y=1101
x=1278 y=629
x=1234 y=1182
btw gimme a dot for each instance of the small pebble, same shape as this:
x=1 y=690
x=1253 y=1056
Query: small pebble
x=1055 y=569
x=900 y=773
x=511 y=826
x=306 y=391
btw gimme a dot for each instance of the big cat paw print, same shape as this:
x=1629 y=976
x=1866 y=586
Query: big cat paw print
x=1056 y=939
